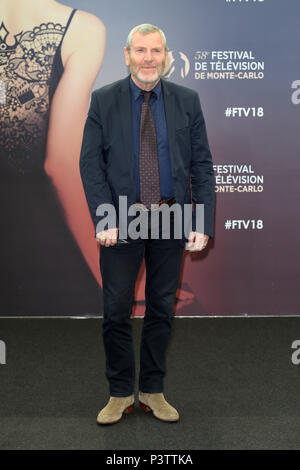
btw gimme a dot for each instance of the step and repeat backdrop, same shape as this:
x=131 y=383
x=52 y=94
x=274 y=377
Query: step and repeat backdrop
x=243 y=59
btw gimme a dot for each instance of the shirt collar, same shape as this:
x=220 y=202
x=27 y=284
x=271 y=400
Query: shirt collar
x=136 y=91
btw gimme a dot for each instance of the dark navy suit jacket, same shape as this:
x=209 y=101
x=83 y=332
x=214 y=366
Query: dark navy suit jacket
x=107 y=162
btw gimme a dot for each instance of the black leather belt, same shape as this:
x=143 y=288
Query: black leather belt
x=169 y=201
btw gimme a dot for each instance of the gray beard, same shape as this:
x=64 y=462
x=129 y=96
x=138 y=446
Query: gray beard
x=150 y=81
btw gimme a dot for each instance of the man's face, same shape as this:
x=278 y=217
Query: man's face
x=146 y=58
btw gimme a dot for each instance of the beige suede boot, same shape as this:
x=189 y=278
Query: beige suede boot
x=160 y=407
x=113 y=411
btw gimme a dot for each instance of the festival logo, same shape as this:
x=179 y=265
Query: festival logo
x=177 y=60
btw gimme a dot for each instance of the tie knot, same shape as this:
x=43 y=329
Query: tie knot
x=146 y=95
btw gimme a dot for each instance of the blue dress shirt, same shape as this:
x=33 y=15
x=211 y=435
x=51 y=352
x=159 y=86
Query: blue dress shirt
x=158 y=111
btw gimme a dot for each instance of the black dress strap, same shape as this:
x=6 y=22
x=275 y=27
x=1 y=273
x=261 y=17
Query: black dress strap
x=57 y=66
x=67 y=25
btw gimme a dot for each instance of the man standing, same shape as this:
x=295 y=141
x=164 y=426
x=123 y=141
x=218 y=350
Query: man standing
x=145 y=139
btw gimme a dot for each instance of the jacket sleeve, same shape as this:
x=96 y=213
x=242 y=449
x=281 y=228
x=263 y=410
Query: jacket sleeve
x=92 y=163
x=202 y=173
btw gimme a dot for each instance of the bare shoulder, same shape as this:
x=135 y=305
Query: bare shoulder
x=86 y=35
x=86 y=24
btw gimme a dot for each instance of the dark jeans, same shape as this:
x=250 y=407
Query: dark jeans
x=119 y=268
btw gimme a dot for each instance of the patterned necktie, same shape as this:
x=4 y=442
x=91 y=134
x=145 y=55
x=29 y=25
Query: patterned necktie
x=148 y=156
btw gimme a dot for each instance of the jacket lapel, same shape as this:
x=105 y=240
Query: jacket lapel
x=169 y=101
x=125 y=114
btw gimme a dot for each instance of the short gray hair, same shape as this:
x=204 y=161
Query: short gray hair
x=145 y=29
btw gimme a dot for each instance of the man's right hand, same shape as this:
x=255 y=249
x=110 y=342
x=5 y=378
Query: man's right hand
x=107 y=237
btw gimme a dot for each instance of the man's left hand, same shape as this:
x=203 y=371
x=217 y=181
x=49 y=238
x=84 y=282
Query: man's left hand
x=197 y=241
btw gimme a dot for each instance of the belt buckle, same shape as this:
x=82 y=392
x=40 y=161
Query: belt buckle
x=142 y=206
x=155 y=207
